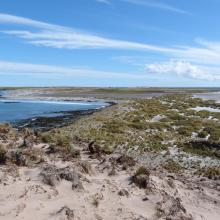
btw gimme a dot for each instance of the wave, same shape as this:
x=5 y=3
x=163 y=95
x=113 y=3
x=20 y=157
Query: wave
x=12 y=101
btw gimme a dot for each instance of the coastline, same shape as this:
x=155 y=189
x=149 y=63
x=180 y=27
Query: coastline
x=62 y=119
x=54 y=119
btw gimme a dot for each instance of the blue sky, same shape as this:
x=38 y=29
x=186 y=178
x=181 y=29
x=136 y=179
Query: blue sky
x=110 y=43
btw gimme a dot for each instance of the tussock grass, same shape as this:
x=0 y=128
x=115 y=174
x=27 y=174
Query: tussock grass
x=173 y=166
x=2 y=154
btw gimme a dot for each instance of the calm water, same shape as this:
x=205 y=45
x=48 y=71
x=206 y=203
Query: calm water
x=13 y=110
x=210 y=95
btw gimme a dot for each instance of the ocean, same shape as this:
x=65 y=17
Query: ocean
x=12 y=111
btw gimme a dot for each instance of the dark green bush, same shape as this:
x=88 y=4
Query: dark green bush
x=2 y=154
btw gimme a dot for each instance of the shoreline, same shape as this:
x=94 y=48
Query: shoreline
x=47 y=123
x=60 y=118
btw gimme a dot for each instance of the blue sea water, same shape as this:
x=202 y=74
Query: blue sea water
x=15 y=110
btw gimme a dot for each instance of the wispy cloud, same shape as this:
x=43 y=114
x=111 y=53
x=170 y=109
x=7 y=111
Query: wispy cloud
x=72 y=39
x=150 y=3
x=12 y=19
x=7 y=67
x=156 y=4
x=51 y=35
x=56 y=36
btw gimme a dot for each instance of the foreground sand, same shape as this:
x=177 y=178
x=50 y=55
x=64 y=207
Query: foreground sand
x=104 y=193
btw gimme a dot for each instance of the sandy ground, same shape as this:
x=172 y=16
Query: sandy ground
x=23 y=194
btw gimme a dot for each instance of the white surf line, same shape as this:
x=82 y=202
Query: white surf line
x=52 y=102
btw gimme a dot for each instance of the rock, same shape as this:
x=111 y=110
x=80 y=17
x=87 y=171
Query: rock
x=51 y=149
x=65 y=211
x=93 y=148
x=123 y=192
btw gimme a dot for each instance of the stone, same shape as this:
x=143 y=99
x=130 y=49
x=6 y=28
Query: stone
x=123 y=192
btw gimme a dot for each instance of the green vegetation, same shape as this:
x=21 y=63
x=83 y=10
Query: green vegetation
x=173 y=166
x=203 y=134
x=62 y=141
x=149 y=125
x=142 y=171
x=202 y=148
x=46 y=138
x=2 y=154
x=209 y=172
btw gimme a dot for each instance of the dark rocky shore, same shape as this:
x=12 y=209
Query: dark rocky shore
x=60 y=119
x=47 y=123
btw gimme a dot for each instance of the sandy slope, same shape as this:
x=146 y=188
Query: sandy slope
x=23 y=195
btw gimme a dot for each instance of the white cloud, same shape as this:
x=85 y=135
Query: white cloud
x=7 y=67
x=186 y=69
x=11 y=19
x=68 y=38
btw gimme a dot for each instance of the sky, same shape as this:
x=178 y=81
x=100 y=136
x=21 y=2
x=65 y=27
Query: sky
x=110 y=43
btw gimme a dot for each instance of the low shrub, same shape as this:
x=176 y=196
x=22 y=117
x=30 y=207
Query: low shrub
x=203 y=134
x=185 y=131
x=2 y=154
x=141 y=177
x=142 y=171
x=172 y=166
x=202 y=148
x=209 y=172
x=47 y=138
